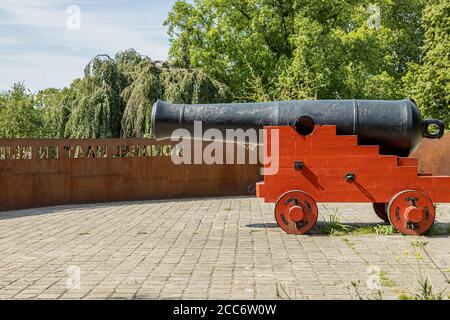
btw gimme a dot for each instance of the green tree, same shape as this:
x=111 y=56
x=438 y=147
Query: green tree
x=18 y=116
x=128 y=63
x=148 y=81
x=232 y=41
x=266 y=49
x=3 y=99
x=55 y=106
x=139 y=97
x=192 y=86
x=428 y=82
x=97 y=109
x=114 y=99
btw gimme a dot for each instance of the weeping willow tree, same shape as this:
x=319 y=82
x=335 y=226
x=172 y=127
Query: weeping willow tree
x=139 y=97
x=116 y=96
x=192 y=86
x=151 y=80
x=128 y=64
x=97 y=110
x=55 y=107
x=113 y=99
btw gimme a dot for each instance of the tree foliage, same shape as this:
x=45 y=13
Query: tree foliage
x=18 y=116
x=55 y=107
x=252 y=50
x=148 y=81
x=113 y=99
x=97 y=111
x=298 y=48
x=429 y=80
x=308 y=49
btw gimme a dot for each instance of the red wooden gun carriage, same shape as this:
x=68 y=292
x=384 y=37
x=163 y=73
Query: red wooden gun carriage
x=325 y=167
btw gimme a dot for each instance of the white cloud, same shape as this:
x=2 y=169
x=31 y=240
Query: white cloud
x=58 y=54
x=6 y=41
x=34 y=13
x=40 y=71
x=99 y=32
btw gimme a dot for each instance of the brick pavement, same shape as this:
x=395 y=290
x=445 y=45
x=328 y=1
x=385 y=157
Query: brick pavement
x=218 y=248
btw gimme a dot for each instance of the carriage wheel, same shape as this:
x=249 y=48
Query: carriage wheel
x=380 y=209
x=296 y=212
x=411 y=212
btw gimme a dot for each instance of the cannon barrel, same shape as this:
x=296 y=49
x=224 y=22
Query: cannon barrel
x=396 y=126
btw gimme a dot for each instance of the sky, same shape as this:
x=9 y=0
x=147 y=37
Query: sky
x=47 y=43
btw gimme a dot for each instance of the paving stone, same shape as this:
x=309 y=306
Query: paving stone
x=215 y=248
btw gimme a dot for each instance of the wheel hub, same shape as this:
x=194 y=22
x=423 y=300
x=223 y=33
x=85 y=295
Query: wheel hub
x=413 y=214
x=296 y=213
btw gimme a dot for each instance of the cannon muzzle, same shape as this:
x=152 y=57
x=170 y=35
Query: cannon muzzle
x=396 y=126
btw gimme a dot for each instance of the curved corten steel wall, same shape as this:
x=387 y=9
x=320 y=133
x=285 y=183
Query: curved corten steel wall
x=36 y=173
x=434 y=156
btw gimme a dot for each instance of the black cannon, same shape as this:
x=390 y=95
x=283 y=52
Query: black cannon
x=329 y=151
x=396 y=126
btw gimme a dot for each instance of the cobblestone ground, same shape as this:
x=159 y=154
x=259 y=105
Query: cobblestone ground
x=206 y=248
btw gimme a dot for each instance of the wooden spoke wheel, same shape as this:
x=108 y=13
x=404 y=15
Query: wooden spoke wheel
x=411 y=212
x=296 y=212
x=380 y=209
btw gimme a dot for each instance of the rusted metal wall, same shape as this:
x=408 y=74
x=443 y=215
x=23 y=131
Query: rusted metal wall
x=36 y=173
x=434 y=156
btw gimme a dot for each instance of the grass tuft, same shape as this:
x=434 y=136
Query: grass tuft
x=334 y=226
x=384 y=229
